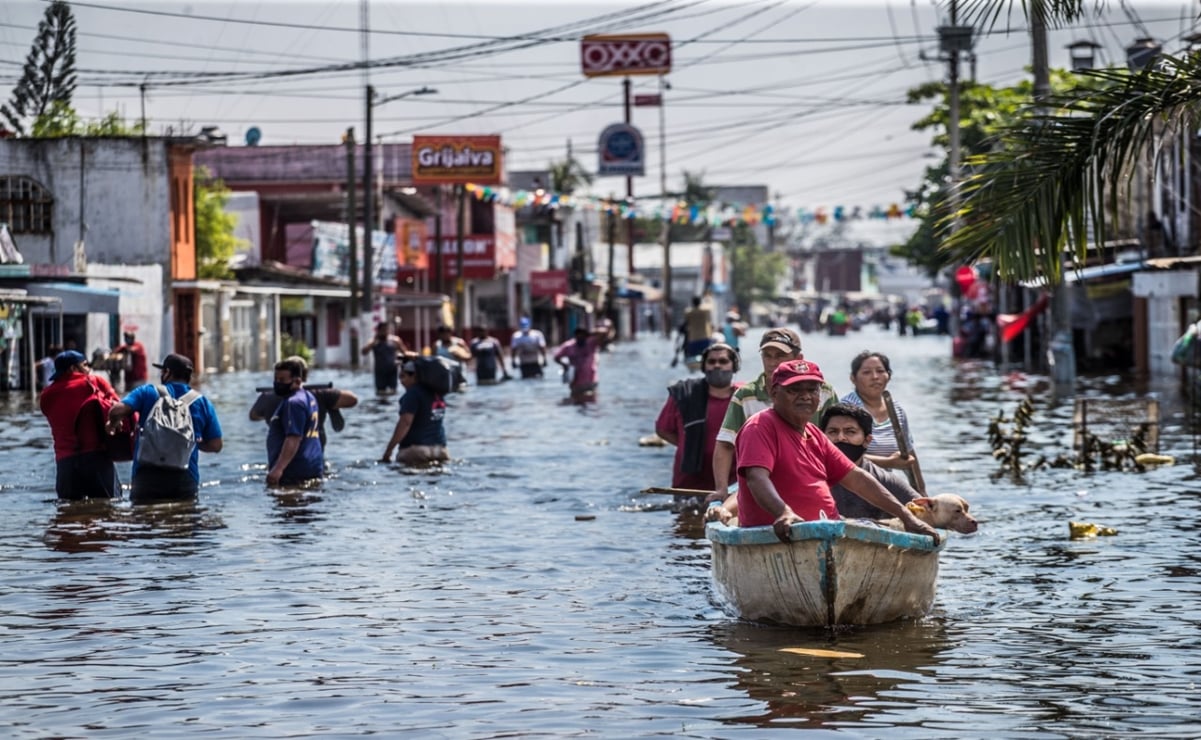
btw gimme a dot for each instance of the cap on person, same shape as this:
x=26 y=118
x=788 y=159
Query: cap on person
x=524 y=323
x=177 y=365
x=796 y=371
x=409 y=367
x=785 y=340
x=64 y=361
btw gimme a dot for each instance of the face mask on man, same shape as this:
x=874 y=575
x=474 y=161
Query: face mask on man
x=719 y=378
x=853 y=452
x=282 y=389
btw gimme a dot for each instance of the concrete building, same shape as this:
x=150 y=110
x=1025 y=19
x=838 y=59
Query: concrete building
x=106 y=225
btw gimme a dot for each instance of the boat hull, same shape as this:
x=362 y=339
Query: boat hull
x=832 y=573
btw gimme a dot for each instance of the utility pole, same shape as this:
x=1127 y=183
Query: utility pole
x=667 y=312
x=351 y=227
x=460 y=283
x=629 y=225
x=952 y=40
x=368 y=303
x=1060 y=350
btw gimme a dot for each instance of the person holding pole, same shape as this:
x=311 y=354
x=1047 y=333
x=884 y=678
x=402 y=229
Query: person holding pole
x=892 y=442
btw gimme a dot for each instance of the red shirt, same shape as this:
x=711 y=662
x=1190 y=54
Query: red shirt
x=670 y=421
x=801 y=465
x=137 y=360
x=61 y=402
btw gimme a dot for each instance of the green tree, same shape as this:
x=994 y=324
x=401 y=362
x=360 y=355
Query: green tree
x=985 y=112
x=48 y=77
x=754 y=272
x=215 y=240
x=61 y=120
x=1062 y=168
x=569 y=175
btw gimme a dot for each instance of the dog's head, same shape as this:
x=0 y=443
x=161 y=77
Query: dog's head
x=944 y=511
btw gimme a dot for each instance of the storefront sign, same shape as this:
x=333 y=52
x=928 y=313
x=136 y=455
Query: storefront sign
x=456 y=160
x=410 y=251
x=548 y=282
x=620 y=151
x=626 y=54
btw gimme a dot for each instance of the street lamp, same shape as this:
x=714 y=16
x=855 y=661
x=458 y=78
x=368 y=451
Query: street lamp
x=367 y=302
x=1083 y=54
x=1141 y=53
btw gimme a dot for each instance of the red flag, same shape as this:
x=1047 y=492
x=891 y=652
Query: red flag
x=1012 y=324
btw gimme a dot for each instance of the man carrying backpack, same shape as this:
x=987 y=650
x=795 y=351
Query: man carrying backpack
x=419 y=430
x=294 y=452
x=72 y=404
x=175 y=423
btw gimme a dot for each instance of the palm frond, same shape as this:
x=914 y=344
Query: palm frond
x=1032 y=198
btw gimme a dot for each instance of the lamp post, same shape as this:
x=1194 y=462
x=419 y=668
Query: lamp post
x=369 y=217
x=1083 y=54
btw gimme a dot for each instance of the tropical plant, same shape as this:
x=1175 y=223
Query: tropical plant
x=48 y=77
x=1062 y=168
x=216 y=243
x=569 y=175
x=984 y=112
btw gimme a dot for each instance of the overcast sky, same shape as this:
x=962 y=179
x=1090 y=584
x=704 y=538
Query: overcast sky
x=807 y=98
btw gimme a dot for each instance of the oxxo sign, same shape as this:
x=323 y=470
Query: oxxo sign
x=456 y=160
x=631 y=54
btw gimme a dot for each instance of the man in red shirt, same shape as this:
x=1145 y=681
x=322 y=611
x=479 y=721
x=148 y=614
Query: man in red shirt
x=693 y=413
x=77 y=425
x=133 y=356
x=786 y=464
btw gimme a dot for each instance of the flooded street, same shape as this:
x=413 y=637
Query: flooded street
x=471 y=602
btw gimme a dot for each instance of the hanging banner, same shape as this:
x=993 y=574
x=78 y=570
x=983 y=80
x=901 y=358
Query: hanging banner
x=456 y=160
x=626 y=54
x=621 y=151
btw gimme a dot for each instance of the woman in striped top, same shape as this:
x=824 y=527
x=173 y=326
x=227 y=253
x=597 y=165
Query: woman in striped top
x=870 y=372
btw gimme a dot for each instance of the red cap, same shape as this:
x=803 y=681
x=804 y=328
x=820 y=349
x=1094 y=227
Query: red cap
x=795 y=371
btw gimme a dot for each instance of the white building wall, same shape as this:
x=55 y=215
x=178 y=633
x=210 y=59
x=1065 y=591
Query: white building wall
x=142 y=309
x=112 y=193
x=1163 y=291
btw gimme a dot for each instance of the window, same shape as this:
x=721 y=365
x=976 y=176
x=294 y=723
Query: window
x=25 y=206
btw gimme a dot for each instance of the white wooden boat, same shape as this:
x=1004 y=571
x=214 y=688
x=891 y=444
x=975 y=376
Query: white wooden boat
x=835 y=572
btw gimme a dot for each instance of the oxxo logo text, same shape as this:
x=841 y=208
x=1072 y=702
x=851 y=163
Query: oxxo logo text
x=621 y=55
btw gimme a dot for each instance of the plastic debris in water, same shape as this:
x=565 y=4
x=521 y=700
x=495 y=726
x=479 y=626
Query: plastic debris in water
x=1084 y=530
x=816 y=653
x=1150 y=458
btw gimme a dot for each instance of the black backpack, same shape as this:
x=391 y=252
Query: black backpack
x=436 y=374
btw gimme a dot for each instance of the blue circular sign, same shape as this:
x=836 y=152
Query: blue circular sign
x=621 y=151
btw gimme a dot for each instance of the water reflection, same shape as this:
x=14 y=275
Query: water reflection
x=806 y=691
x=95 y=525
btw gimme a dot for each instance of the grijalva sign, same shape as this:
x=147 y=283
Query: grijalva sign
x=454 y=160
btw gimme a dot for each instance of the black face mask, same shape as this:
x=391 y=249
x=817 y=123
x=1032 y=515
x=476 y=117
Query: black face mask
x=853 y=452
x=282 y=390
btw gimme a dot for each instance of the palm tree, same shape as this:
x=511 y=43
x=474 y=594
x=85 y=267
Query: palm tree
x=568 y=175
x=1059 y=171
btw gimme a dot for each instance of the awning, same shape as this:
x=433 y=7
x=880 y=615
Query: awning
x=1090 y=273
x=78 y=298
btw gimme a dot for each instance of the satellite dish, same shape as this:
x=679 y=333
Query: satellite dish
x=253 y=135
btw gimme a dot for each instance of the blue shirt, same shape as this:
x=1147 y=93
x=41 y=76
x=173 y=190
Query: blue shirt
x=296 y=416
x=204 y=418
x=428 y=410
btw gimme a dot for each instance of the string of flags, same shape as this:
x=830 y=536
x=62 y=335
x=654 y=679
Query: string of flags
x=716 y=214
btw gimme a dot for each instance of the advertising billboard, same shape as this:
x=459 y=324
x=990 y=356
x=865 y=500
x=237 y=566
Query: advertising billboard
x=457 y=160
x=625 y=54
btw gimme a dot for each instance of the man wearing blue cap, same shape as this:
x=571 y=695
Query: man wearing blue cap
x=528 y=350
x=84 y=469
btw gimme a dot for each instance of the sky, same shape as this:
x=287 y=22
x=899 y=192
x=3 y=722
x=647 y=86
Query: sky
x=807 y=98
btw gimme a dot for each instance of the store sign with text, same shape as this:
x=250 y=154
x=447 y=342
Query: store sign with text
x=457 y=160
x=625 y=54
x=548 y=282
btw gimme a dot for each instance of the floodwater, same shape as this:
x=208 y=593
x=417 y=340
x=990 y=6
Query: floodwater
x=471 y=602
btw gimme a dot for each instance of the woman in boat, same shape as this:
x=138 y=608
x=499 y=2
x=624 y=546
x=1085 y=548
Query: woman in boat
x=870 y=372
